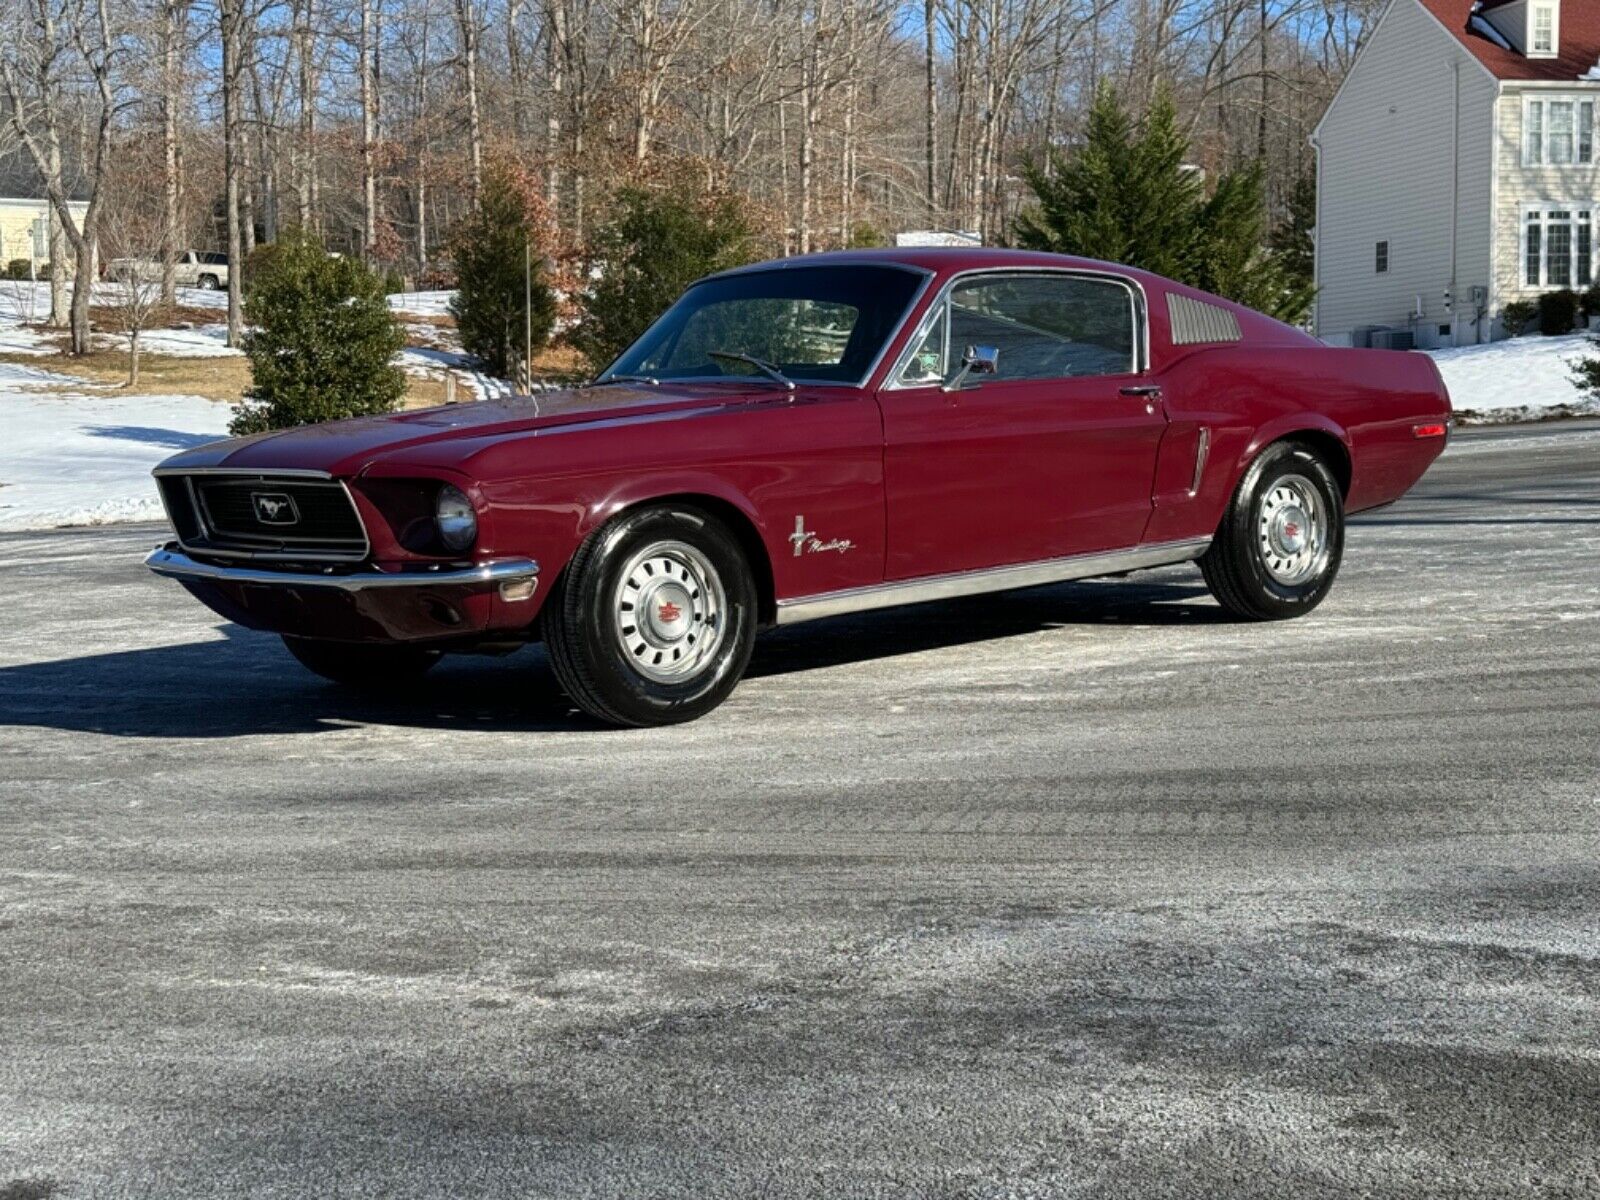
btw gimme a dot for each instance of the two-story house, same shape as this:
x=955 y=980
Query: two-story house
x=1459 y=168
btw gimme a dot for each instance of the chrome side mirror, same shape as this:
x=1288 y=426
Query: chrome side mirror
x=978 y=360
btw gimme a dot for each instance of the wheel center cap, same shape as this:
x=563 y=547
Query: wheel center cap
x=667 y=611
x=1290 y=530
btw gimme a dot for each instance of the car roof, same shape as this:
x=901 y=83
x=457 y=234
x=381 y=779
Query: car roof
x=942 y=260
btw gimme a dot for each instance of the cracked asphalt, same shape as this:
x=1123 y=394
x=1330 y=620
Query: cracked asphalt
x=1082 y=892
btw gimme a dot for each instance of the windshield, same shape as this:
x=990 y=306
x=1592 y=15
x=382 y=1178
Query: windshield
x=812 y=324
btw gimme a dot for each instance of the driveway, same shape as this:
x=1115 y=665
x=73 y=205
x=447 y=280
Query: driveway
x=1082 y=891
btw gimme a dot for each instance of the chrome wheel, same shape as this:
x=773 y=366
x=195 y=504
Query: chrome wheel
x=1292 y=531
x=669 y=612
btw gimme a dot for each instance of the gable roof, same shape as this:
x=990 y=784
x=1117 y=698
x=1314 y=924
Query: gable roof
x=1580 y=40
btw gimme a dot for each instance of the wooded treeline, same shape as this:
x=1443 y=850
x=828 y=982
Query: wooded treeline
x=221 y=122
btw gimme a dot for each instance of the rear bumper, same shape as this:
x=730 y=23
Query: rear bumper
x=364 y=605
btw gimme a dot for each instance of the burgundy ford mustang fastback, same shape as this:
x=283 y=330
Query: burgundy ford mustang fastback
x=804 y=438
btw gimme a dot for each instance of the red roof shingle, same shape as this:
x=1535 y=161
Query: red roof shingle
x=1579 y=49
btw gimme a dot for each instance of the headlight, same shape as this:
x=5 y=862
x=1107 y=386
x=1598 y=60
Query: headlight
x=454 y=515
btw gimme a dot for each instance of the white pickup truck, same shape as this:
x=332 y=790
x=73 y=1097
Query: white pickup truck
x=192 y=268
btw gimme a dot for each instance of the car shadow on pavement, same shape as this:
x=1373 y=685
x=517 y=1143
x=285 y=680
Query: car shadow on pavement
x=245 y=683
x=953 y=623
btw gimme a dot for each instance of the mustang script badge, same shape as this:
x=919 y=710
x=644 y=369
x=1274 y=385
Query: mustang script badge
x=806 y=542
x=274 y=508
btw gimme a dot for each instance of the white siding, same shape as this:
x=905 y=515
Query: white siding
x=1389 y=169
x=1574 y=187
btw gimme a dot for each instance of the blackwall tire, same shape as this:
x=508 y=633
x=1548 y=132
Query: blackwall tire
x=360 y=664
x=654 y=619
x=1280 y=545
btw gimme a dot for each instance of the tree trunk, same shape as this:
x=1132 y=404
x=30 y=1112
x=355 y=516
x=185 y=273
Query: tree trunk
x=369 y=133
x=469 y=61
x=1261 y=126
x=232 y=18
x=931 y=140
x=552 y=125
x=422 y=160
x=60 y=314
x=306 y=185
x=171 y=31
x=82 y=290
x=133 y=359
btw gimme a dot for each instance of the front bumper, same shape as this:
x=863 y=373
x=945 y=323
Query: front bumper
x=364 y=604
x=174 y=564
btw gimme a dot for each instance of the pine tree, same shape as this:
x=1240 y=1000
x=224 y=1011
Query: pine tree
x=321 y=339
x=506 y=232
x=654 y=246
x=1129 y=196
x=1125 y=197
x=1294 y=240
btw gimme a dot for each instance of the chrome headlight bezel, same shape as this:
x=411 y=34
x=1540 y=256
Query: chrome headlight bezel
x=455 y=520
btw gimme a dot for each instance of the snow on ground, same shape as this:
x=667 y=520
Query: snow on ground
x=1524 y=379
x=421 y=304
x=84 y=457
x=198 y=341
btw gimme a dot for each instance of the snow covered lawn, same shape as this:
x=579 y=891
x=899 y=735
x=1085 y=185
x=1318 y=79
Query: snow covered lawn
x=84 y=457
x=1524 y=379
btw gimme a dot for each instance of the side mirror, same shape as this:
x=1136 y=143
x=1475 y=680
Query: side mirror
x=978 y=360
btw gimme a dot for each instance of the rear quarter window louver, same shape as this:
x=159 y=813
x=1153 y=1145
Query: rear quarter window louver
x=1196 y=323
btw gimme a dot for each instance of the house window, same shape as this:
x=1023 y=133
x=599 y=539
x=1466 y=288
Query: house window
x=1558 y=248
x=1544 y=30
x=1383 y=258
x=1558 y=131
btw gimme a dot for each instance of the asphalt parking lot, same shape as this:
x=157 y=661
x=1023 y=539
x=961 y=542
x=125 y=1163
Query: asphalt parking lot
x=1083 y=891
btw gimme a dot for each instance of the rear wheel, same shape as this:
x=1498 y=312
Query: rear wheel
x=361 y=664
x=210 y=283
x=1281 y=543
x=654 y=619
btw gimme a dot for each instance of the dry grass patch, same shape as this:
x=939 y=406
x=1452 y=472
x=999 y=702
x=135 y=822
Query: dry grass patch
x=223 y=378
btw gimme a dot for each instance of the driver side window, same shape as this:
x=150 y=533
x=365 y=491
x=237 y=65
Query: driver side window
x=1045 y=327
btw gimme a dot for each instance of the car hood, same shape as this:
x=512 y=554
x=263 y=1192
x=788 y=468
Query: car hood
x=345 y=448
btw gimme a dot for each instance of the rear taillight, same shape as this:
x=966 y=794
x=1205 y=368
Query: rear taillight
x=1432 y=430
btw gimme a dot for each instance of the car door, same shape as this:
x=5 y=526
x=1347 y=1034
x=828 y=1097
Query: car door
x=1052 y=455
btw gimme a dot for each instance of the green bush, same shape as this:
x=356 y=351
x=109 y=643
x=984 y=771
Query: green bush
x=1590 y=307
x=654 y=246
x=19 y=268
x=258 y=260
x=394 y=282
x=321 y=342
x=1517 y=316
x=864 y=236
x=491 y=302
x=1558 y=312
x=1586 y=373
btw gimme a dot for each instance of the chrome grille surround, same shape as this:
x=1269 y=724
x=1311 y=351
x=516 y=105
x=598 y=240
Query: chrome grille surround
x=204 y=507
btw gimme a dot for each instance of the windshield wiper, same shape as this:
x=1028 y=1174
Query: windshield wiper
x=765 y=368
x=650 y=379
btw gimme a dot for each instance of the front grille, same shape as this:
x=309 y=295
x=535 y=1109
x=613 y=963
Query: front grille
x=264 y=515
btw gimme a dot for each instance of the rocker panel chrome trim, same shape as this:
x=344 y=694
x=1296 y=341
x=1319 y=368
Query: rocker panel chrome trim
x=170 y=563
x=994 y=579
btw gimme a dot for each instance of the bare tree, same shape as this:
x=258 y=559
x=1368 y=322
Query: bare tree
x=81 y=36
x=231 y=14
x=470 y=34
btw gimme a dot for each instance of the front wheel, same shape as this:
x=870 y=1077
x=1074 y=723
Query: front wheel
x=654 y=619
x=362 y=664
x=1281 y=543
